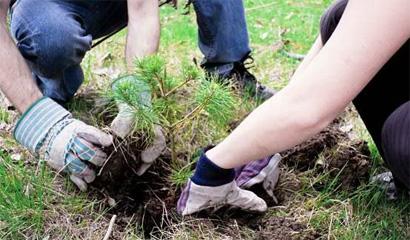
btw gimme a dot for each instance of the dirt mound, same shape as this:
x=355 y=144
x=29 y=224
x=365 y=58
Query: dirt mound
x=287 y=187
x=350 y=163
x=149 y=201
x=332 y=152
x=303 y=156
x=140 y=199
x=283 y=228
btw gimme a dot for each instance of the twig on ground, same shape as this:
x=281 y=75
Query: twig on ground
x=296 y=56
x=110 y=226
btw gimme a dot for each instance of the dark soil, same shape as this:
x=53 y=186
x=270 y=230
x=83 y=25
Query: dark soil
x=331 y=151
x=282 y=228
x=145 y=198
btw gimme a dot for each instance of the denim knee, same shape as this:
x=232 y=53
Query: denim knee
x=396 y=143
x=50 y=38
x=330 y=19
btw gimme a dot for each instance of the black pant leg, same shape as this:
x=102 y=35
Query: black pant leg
x=389 y=89
x=396 y=144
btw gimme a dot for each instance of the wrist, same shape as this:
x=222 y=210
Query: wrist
x=219 y=158
x=37 y=121
x=207 y=173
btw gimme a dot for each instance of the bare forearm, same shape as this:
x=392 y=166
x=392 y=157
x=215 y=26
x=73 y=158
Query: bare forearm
x=285 y=124
x=314 y=50
x=15 y=77
x=143 y=31
x=334 y=76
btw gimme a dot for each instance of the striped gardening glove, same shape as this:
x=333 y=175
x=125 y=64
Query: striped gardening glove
x=66 y=144
x=130 y=88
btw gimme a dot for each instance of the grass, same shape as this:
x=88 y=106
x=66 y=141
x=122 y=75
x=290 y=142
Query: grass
x=53 y=208
x=21 y=198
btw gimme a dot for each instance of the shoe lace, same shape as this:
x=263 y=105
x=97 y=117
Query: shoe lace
x=246 y=63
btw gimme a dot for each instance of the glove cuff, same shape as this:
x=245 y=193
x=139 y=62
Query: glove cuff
x=34 y=125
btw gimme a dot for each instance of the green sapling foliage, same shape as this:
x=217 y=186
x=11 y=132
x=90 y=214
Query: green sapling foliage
x=181 y=102
x=134 y=98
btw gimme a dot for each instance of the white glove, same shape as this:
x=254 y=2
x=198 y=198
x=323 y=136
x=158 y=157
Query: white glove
x=124 y=122
x=66 y=144
x=265 y=171
x=196 y=198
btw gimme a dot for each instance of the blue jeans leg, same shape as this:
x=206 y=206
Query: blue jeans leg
x=54 y=42
x=223 y=34
x=54 y=36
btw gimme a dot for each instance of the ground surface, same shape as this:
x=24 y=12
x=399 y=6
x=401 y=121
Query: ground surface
x=323 y=192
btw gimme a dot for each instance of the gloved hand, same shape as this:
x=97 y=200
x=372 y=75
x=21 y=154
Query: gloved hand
x=212 y=187
x=123 y=124
x=265 y=171
x=196 y=198
x=66 y=144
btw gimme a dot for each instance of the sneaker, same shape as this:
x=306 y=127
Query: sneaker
x=238 y=74
x=386 y=182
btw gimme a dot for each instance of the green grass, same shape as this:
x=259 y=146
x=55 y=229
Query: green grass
x=4 y=116
x=22 y=192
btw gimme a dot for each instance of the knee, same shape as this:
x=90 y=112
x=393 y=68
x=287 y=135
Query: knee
x=51 y=44
x=396 y=142
x=330 y=19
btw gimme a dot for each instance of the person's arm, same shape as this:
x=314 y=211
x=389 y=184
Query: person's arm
x=142 y=40
x=15 y=76
x=313 y=51
x=143 y=29
x=368 y=34
x=45 y=126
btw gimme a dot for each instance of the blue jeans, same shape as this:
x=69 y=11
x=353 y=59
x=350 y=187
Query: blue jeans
x=54 y=35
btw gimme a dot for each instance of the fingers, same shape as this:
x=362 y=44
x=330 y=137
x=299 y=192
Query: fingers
x=87 y=152
x=81 y=180
x=95 y=136
x=79 y=183
x=143 y=168
x=196 y=198
x=247 y=200
x=81 y=174
x=150 y=154
x=122 y=126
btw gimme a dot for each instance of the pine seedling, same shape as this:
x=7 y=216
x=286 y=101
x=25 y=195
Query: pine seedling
x=152 y=70
x=134 y=97
x=217 y=101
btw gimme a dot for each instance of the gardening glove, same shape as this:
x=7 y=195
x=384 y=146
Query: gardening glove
x=198 y=195
x=196 y=198
x=66 y=144
x=265 y=171
x=123 y=124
